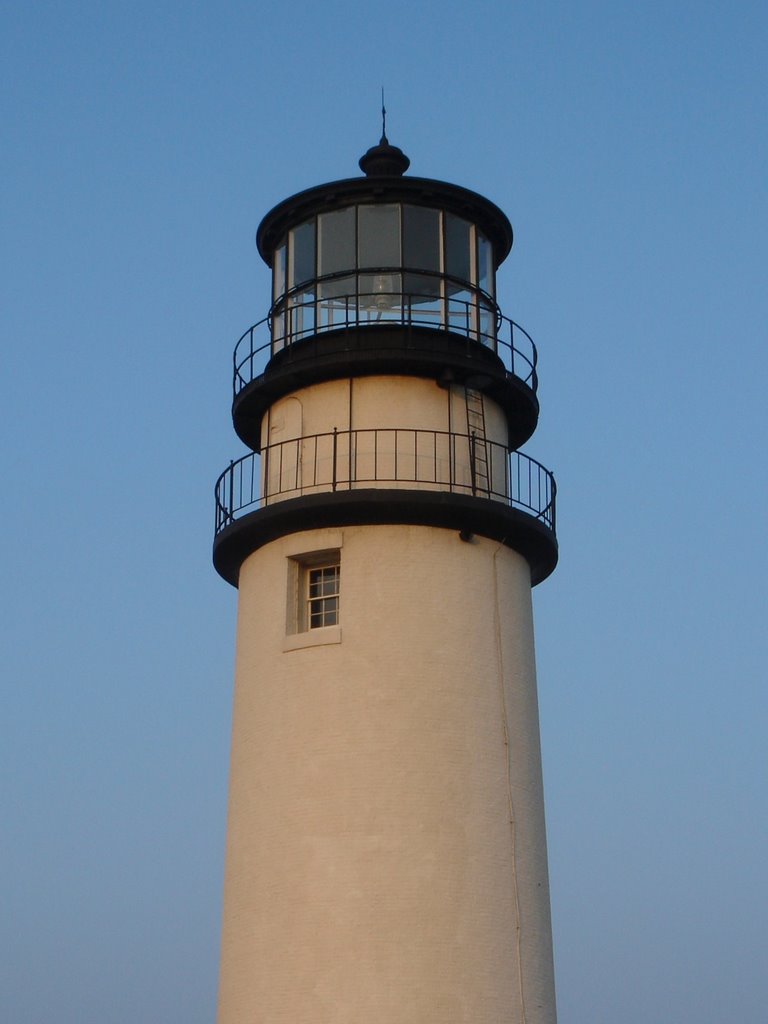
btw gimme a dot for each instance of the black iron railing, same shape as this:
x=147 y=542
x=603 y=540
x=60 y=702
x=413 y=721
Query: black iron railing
x=385 y=458
x=302 y=315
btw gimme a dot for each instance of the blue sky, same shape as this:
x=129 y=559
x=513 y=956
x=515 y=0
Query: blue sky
x=141 y=146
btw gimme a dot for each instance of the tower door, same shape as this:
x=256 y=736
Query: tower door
x=281 y=456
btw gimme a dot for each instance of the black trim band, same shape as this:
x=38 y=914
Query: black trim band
x=464 y=513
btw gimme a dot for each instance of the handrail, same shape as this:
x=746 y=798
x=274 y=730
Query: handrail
x=301 y=316
x=394 y=456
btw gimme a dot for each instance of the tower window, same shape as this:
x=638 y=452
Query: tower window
x=314 y=597
x=313 y=592
x=322 y=583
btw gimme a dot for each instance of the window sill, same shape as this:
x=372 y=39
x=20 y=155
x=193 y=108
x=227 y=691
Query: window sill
x=313 y=638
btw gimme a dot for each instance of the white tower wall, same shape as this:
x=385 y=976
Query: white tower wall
x=365 y=403
x=382 y=412
x=386 y=857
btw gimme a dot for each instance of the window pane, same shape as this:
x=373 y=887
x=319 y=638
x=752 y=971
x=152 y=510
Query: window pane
x=382 y=292
x=487 y=325
x=316 y=617
x=300 y=314
x=424 y=306
x=421 y=287
x=421 y=238
x=278 y=273
x=337 y=286
x=336 y=308
x=484 y=272
x=278 y=331
x=457 y=263
x=461 y=310
x=302 y=258
x=336 y=241
x=323 y=597
x=379 y=236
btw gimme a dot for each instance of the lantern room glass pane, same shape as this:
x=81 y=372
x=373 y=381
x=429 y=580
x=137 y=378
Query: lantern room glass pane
x=421 y=238
x=461 y=310
x=337 y=303
x=379 y=236
x=336 y=241
x=300 y=315
x=381 y=294
x=422 y=300
x=337 y=286
x=302 y=254
x=421 y=287
x=457 y=255
x=278 y=332
x=486 y=324
x=484 y=265
x=278 y=273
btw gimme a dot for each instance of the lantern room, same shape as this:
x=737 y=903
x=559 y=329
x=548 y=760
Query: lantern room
x=414 y=258
x=373 y=262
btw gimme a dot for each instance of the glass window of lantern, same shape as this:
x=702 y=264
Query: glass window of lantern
x=460 y=300
x=421 y=251
x=379 y=236
x=380 y=296
x=337 y=302
x=301 y=260
x=300 y=314
x=486 y=323
x=278 y=331
x=336 y=241
x=484 y=264
x=336 y=253
x=421 y=238
x=457 y=248
x=278 y=272
x=378 y=245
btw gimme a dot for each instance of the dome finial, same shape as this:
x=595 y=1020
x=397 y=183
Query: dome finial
x=384 y=160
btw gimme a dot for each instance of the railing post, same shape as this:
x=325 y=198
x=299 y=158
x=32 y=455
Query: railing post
x=335 y=448
x=231 y=509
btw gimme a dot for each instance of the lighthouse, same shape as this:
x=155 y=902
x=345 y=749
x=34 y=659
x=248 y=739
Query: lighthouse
x=386 y=850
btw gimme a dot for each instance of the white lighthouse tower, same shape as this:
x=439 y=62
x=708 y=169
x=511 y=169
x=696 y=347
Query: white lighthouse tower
x=386 y=852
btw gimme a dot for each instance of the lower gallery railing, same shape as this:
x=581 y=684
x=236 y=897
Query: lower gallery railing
x=386 y=458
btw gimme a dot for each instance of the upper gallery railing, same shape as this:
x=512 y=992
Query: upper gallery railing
x=304 y=314
x=394 y=458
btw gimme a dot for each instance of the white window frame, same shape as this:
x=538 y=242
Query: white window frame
x=321 y=585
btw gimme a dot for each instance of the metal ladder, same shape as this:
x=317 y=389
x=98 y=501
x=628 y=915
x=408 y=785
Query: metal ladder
x=478 y=449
